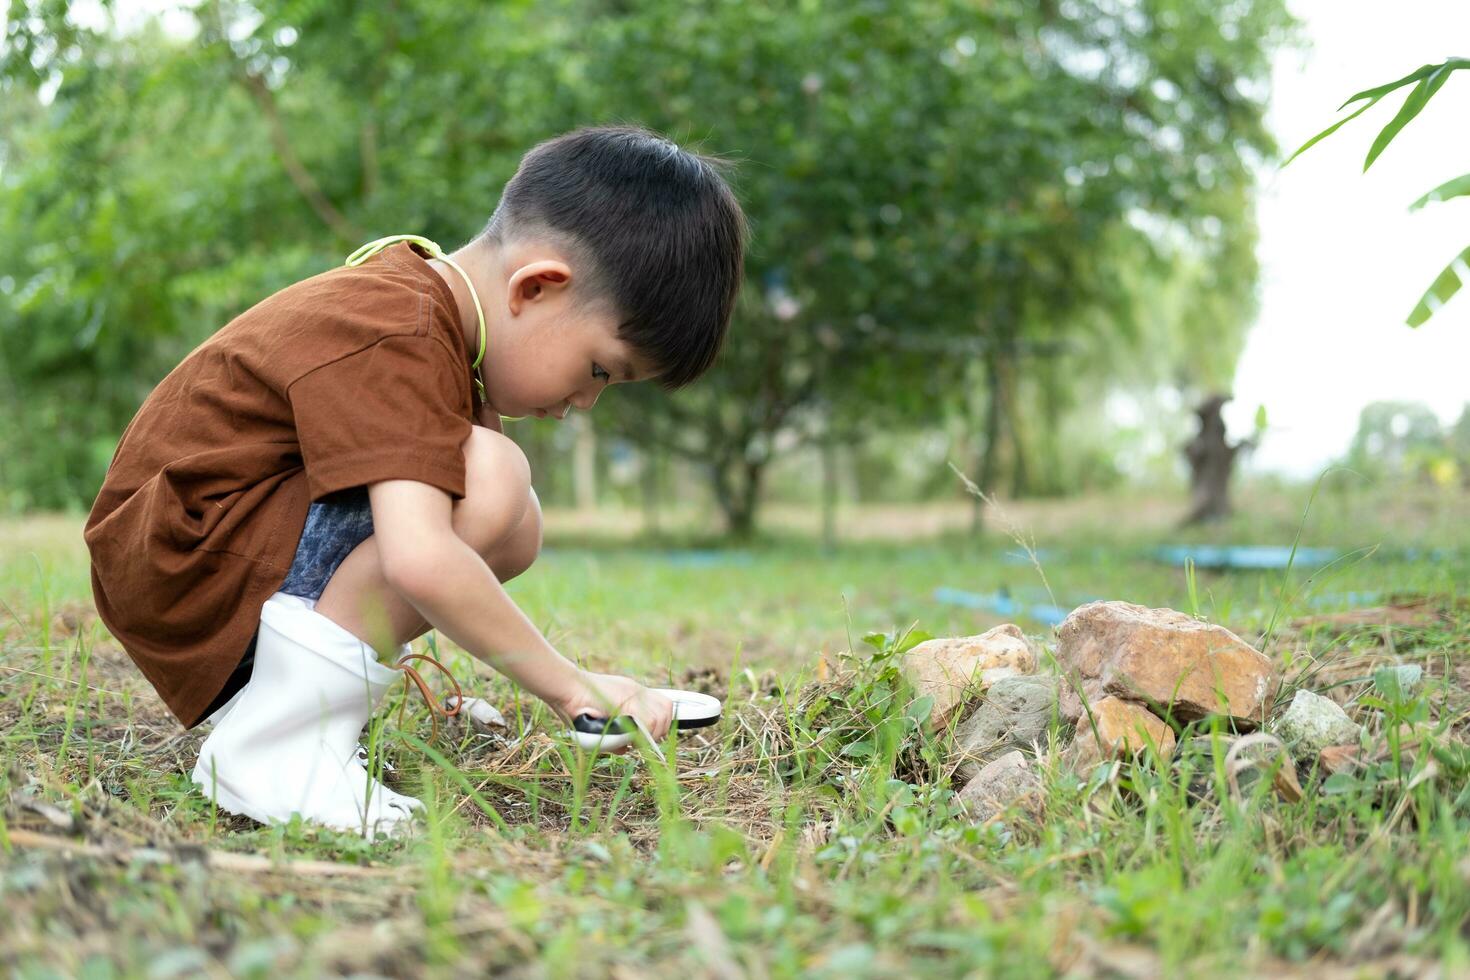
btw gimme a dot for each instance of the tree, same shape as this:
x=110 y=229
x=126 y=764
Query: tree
x=1211 y=459
x=1393 y=436
x=937 y=189
x=958 y=210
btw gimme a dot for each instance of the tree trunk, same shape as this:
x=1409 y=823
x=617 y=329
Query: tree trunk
x=1020 y=470
x=737 y=484
x=1211 y=460
x=584 y=463
x=989 y=457
x=829 y=492
x=651 y=460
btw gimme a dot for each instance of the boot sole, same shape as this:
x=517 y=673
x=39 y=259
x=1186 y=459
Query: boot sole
x=227 y=800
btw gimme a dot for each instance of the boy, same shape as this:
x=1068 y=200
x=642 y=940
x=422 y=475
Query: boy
x=310 y=479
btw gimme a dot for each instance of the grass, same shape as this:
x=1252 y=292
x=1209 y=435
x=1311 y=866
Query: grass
x=814 y=832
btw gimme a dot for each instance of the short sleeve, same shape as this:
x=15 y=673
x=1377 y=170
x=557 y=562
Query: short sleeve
x=397 y=410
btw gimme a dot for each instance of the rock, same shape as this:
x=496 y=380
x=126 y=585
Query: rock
x=484 y=718
x=1164 y=658
x=1351 y=757
x=948 y=669
x=1334 y=759
x=1313 y=722
x=1006 y=781
x=1118 y=729
x=1016 y=712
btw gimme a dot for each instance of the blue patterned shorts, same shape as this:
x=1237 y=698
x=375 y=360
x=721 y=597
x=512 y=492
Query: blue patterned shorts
x=335 y=525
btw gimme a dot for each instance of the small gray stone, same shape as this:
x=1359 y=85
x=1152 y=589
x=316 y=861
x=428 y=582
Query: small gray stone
x=1313 y=722
x=1016 y=712
x=1009 y=779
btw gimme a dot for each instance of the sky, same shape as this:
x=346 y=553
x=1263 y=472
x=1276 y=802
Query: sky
x=1343 y=260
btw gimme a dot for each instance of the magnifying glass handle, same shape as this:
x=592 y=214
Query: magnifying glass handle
x=591 y=725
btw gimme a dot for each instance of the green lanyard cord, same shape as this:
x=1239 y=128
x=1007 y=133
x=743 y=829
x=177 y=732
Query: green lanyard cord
x=373 y=248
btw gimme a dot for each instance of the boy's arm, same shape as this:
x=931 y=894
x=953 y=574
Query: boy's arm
x=454 y=589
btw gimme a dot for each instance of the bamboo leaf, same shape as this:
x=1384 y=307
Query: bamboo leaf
x=1380 y=91
x=1373 y=95
x=1458 y=187
x=1445 y=285
x=1332 y=129
x=1415 y=102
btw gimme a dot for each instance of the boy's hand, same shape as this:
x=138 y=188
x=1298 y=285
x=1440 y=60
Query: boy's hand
x=608 y=695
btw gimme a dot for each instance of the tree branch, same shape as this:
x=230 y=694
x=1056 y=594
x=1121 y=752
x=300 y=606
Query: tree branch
x=304 y=182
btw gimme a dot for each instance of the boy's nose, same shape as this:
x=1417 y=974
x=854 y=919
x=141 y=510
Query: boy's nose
x=582 y=401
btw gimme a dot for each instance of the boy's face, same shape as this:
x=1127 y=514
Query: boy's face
x=552 y=356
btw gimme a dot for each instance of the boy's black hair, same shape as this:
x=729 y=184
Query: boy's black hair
x=660 y=228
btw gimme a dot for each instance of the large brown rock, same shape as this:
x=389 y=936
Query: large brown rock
x=1118 y=729
x=949 y=669
x=1008 y=781
x=1173 y=662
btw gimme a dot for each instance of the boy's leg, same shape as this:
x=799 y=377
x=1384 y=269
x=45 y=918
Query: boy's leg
x=499 y=517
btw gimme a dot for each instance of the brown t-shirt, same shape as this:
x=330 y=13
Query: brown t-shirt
x=353 y=376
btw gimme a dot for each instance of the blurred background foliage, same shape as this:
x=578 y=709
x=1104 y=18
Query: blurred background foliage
x=974 y=223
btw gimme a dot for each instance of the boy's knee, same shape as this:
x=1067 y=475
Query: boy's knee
x=522 y=547
x=497 y=490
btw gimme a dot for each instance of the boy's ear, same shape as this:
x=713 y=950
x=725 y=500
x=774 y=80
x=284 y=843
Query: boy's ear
x=537 y=281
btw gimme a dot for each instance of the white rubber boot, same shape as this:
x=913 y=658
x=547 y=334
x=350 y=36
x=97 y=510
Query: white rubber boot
x=362 y=752
x=289 y=743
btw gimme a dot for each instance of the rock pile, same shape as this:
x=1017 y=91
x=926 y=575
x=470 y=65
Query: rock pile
x=1137 y=670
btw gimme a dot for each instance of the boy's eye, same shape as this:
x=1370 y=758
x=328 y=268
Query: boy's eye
x=599 y=373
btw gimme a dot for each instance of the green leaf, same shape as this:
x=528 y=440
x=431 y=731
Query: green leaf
x=1380 y=91
x=858 y=750
x=1445 y=285
x=1386 y=683
x=911 y=639
x=1260 y=418
x=1415 y=102
x=1458 y=187
x=1331 y=129
x=920 y=708
x=1373 y=95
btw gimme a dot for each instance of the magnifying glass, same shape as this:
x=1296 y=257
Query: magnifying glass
x=691 y=710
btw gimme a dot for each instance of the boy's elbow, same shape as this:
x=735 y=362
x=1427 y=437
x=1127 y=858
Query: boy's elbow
x=417 y=572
